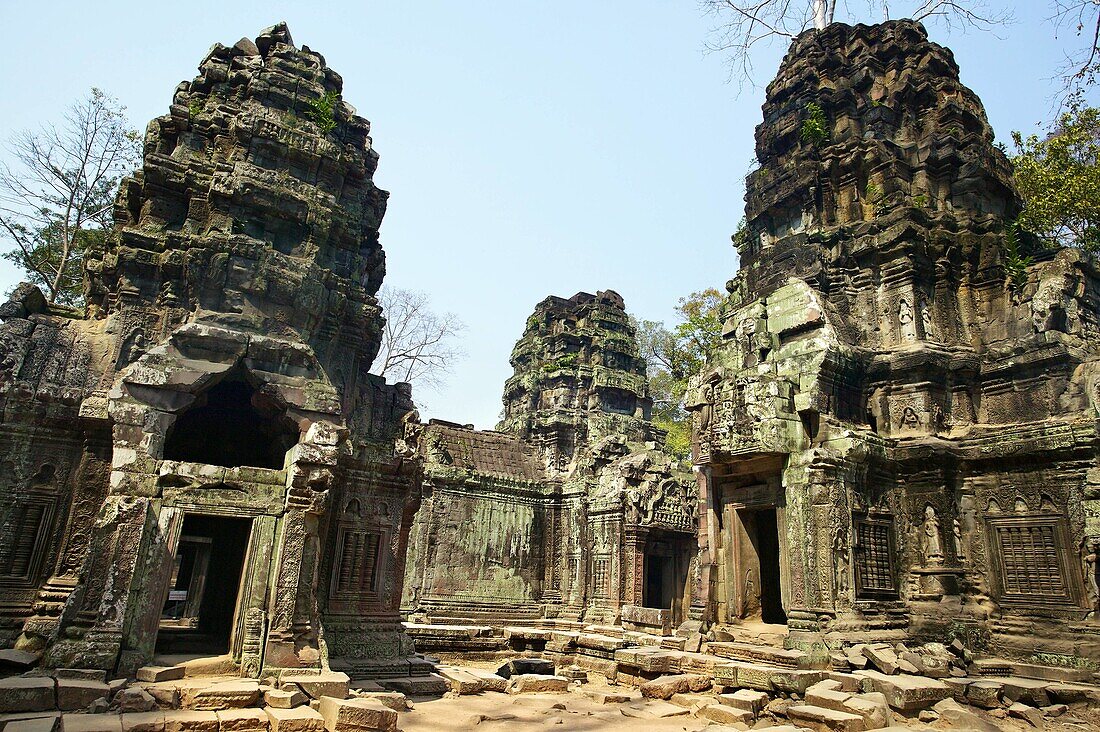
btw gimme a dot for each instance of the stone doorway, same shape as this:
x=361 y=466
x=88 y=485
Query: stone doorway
x=766 y=542
x=204 y=583
x=757 y=564
x=667 y=564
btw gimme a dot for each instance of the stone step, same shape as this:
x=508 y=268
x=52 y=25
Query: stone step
x=781 y=657
x=825 y=720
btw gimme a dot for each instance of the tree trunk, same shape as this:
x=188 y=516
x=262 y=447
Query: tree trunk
x=820 y=8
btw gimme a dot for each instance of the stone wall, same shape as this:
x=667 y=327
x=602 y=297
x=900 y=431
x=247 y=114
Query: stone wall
x=915 y=431
x=561 y=513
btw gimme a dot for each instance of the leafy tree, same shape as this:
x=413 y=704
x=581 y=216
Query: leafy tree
x=746 y=24
x=674 y=356
x=56 y=197
x=418 y=345
x=1059 y=179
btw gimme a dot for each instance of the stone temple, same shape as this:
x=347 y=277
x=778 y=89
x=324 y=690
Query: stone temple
x=213 y=515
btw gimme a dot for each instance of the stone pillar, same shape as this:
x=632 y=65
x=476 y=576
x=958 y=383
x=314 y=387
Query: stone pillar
x=633 y=567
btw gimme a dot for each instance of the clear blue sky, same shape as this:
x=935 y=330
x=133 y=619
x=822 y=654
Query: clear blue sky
x=530 y=148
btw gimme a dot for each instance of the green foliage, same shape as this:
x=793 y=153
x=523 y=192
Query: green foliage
x=322 y=111
x=920 y=200
x=194 y=109
x=815 y=126
x=1016 y=262
x=58 y=191
x=874 y=196
x=567 y=361
x=674 y=356
x=743 y=235
x=1059 y=180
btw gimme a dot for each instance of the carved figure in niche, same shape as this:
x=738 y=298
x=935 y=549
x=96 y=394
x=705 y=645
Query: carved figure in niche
x=840 y=563
x=930 y=540
x=905 y=319
x=956 y=529
x=926 y=318
x=706 y=411
x=631 y=507
x=1090 y=558
x=750 y=588
x=909 y=418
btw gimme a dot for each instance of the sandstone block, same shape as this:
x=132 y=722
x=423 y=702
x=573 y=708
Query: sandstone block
x=825 y=720
x=222 y=695
x=35 y=724
x=19 y=694
x=351 y=715
x=606 y=697
x=985 y=694
x=86 y=674
x=134 y=699
x=461 y=680
x=956 y=716
x=872 y=707
x=160 y=673
x=748 y=700
x=725 y=714
x=395 y=700
x=884 y=658
x=143 y=722
x=1027 y=713
x=535 y=683
x=188 y=720
x=285 y=698
x=526 y=666
x=663 y=687
x=299 y=719
x=315 y=686
x=13 y=660
x=92 y=723
x=242 y=720
x=489 y=680
x=907 y=693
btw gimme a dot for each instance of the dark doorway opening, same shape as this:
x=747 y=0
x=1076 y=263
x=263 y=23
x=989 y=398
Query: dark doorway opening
x=232 y=425
x=205 y=579
x=767 y=549
x=658 y=582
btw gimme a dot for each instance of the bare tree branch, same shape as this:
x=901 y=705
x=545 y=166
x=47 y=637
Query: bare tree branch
x=745 y=24
x=418 y=345
x=57 y=197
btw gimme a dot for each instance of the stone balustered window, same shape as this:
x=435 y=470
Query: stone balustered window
x=874 y=558
x=601 y=577
x=1030 y=560
x=23 y=537
x=358 y=568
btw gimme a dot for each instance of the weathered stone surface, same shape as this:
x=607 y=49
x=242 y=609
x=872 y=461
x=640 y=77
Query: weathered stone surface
x=535 y=683
x=526 y=666
x=19 y=694
x=160 y=673
x=242 y=720
x=148 y=721
x=38 y=724
x=315 y=686
x=350 y=715
x=96 y=723
x=825 y=720
x=957 y=716
x=725 y=714
x=12 y=659
x=299 y=719
x=223 y=695
x=285 y=698
x=907 y=693
x=189 y=720
x=664 y=687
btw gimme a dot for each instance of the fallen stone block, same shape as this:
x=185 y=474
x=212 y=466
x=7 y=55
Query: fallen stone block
x=351 y=715
x=461 y=681
x=653 y=710
x=160 y=673
x=663 y=687
x=1029 y=691
x=518 y=666
x=395 y=700
x=222 y=695
x=907 y=693
x=242 y=720
x=1029 y=714
x=607 y=697
x=190 y=720
x=1071 y=693
x=18 y=661
x=34 y=694
x=430 y=685
x=884 y=658
x=36 y=724
x=299 y=719
x=691 y=701
x=315 y=686
x=489 y=680
x=85 y=674
x=143 y=722
x=134 y=699
x=166 y=695
x=872 y=707
x=534 y=683
x=825 y=720
x=748 y=700
x=92 y=723
x=285 y=698
x=985 y=694
x=959 y=717
x=725 y=714
x=794 y=681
